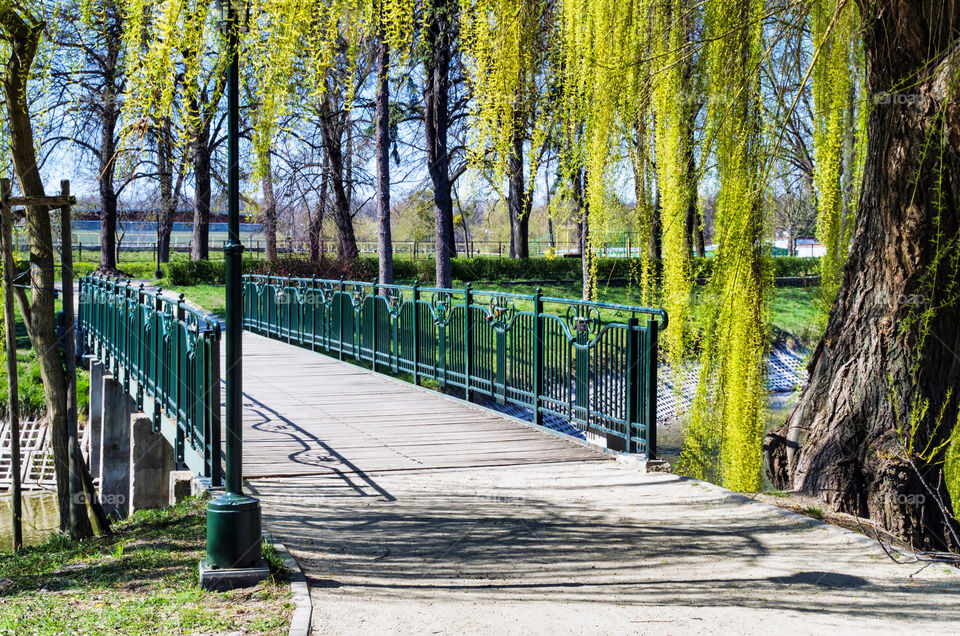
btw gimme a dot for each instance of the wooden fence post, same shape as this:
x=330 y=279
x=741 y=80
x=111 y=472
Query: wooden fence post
x=11 y=343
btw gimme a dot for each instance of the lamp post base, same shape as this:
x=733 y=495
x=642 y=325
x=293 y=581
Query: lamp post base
x=233 y=532
x=231 y=578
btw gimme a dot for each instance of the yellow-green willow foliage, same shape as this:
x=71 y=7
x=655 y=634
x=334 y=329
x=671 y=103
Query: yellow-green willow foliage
x=293 y=44
x=285 y=54
x=672 y=104
x=834 y=29
x=505 y=43
x=604 y=53
x=727 y=421
x=166 y=46
x=951 y=469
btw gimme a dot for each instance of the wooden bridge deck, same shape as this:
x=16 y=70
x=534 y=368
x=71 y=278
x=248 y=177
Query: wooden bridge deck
x=308 y=414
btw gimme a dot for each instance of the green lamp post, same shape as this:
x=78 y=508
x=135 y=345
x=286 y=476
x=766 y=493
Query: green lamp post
x=233 y=519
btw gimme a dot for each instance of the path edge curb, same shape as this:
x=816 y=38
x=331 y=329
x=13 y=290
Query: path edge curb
x=302 y=618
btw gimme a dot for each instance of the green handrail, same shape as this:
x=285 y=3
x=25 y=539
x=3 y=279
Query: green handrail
x=158 y=347
x=591 y=364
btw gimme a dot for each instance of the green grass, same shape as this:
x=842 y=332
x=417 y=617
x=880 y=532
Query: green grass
x=210 y=297
x=141 y=579
x=800 y=312
x=813 y=511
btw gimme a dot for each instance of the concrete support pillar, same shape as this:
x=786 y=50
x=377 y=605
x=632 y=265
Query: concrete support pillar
x=151 y=462
x=95 y=420
x=117 y=408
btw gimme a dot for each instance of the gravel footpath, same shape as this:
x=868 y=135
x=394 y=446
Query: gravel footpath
x=590 y=547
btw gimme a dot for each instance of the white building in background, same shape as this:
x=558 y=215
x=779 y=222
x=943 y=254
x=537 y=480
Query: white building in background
x=806 y=246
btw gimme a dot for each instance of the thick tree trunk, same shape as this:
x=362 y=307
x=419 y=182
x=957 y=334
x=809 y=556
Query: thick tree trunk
x=269 y=213
x=583 y=233
x=108 y=148
x=384 y=238
x=332 y=128
x=517 y=201
x=848 y=440
x=200 y=247
x=162 y=136
x=315 y=230
x=436 y=123
x=38 y=311
x=108 y=199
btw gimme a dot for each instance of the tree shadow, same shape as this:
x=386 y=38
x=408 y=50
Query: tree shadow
x=507 y=545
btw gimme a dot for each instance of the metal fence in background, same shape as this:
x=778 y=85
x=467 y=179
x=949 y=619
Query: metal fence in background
x=591 y=364
x=159 y=348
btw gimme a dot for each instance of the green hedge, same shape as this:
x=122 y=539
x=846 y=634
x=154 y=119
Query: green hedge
x=479 y=268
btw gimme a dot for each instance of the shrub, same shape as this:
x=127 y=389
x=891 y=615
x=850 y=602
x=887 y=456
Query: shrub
x=474 y=269
x=186 y=273
x=796 y=266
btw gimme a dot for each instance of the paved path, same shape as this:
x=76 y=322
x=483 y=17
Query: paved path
x=412 y=513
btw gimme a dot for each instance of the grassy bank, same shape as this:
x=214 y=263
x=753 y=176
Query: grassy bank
x=141 y=579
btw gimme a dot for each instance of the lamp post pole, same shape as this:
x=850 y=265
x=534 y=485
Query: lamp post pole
x=233 y=519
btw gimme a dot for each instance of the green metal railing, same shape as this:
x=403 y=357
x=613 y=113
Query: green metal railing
x=592 y=364
x=158 y=347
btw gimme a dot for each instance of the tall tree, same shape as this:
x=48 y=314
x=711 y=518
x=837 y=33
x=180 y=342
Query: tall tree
x=21 y=30
x=511 y=52
x=89 y=66
x=877 y=420
x=438 y=39
x=384 y=235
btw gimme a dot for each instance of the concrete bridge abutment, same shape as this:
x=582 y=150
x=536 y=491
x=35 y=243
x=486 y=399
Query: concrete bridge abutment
x=130 y=462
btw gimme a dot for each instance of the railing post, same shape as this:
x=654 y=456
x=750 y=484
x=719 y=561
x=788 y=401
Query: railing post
x=212 y=445
x=582 y=370
x=340 y=321
x=537 y=357
x=651 y=387
x=633 y=388
x=314 y=305
x=416 y=332
x=467 y=341
x=375 y=307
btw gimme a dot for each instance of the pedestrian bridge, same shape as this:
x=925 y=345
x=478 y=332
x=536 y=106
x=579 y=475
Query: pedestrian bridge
x=415 y=512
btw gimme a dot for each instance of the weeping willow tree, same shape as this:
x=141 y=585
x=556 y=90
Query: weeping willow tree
x=877 y=420
x=509 y=47
x=288 y=52
x=605 y=115
x=674 y=147
x=833 y=26
x=724 y=437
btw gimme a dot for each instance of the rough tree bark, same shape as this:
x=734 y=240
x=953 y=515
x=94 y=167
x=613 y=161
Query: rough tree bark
x=23 y=34
x=109 y=115
x=876 y=360
x=518 y=202
x=384 y=238
x=169 y=186
x=315 y=229
x=436 y=92
x=200 y=246
x=269 y=212
x=331 y=129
